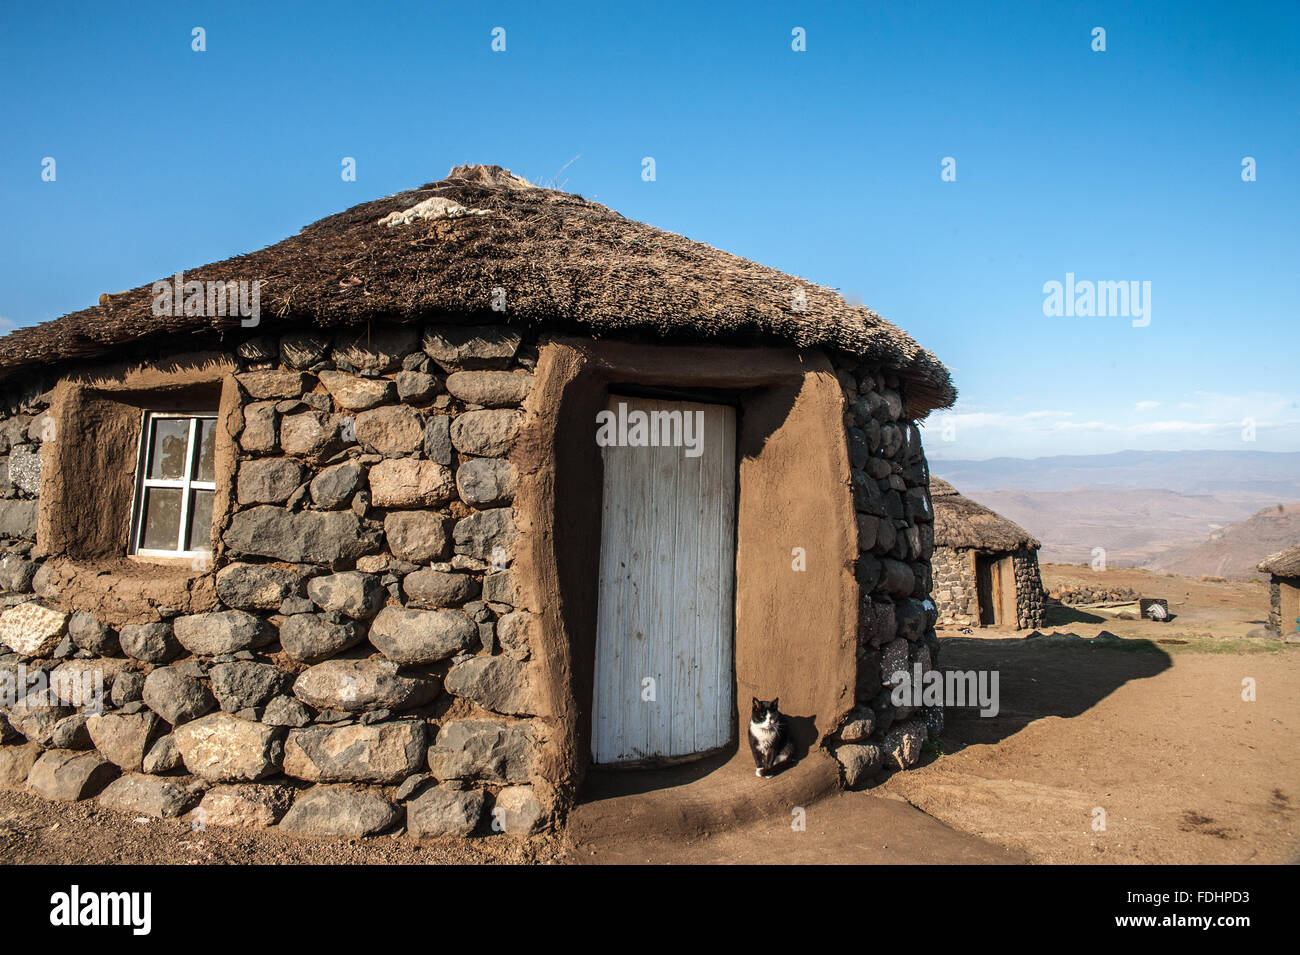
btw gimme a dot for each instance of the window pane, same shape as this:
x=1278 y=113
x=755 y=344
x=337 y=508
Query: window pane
x=162 y=518
x=200 y=521
x=204 y=469
x=167 y=454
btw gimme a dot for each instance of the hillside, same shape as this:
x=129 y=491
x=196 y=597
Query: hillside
x=1144 y=507
x=1235 y=550
x=1134 y=526
x=1274 y=476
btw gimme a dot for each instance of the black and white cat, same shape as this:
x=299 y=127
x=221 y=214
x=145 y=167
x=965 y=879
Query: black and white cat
x=769 y=737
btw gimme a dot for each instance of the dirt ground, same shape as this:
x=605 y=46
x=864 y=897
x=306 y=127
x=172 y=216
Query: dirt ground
x=715 y=811
x=856 y=828
x=843 y=827
x=34 y=831
x=1203 y=606
x=1150 y=729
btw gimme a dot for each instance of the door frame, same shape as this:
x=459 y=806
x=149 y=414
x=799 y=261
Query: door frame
x=997 y=586
x=986 y=588
x=1288 y=604
x=795 y=635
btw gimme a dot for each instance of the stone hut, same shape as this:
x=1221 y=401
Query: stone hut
x=1283 y=591
x=985 y=566
x=483 y=485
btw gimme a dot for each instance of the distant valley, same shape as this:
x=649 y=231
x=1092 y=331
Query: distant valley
x=1210 y=512
x=1268 y=473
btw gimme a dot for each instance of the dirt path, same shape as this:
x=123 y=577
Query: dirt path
x=1162 y=741
x=715 y=811
x=1206 y=607
x=34 y=831
x=660 y=828
x=842 y=829
x=1151 y=729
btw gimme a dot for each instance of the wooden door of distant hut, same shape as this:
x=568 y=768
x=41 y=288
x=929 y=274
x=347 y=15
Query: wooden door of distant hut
x=1008 y=603
x=993 y=574
x=987 y=588
x=1290 y=613
x=995 y=589
x=664 y=673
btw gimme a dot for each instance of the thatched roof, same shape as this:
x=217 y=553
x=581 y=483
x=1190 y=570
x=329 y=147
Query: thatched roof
x=438 y=252
x=1285 y=563
x=960 y=522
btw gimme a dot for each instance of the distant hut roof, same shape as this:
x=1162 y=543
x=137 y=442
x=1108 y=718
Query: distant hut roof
x=437 y=252
x=1285 y=563
x=960 y=522
x=941 y=488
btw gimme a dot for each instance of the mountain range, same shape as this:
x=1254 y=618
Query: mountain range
x=1193 y=512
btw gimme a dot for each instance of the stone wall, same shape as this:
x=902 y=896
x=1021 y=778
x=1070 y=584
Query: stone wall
x=1275 y=605
x=1280 y=623
x=954 y=587
x=896 y=541
x=355 y=654
x=353 y=648
x=1030 y=596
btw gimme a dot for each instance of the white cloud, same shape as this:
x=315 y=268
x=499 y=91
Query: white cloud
x=1205 y=419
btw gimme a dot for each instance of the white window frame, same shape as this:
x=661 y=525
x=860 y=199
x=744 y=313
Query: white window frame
x=187 y=484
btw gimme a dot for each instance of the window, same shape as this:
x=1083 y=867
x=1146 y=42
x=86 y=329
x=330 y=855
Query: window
x=175 y=485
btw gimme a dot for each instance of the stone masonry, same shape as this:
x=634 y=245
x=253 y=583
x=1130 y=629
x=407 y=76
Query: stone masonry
x=955 y=589
x=343 y=661
x=895 y=540
x=352 y=658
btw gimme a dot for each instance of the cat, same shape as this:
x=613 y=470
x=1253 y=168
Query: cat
x=769 y=737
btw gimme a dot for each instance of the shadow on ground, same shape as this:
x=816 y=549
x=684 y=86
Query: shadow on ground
x=1062 y=675
x=714 y=809
x=709 y=794
x=1057 y=614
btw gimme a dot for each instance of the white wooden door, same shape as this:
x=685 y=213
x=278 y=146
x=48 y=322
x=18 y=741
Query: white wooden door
x=664 y=660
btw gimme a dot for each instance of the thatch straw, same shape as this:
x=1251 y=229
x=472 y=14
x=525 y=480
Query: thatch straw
x=1285 y=563
x=960 y=522
x=564 y=263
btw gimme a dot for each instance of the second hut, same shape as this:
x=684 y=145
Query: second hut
x=985 y=566
x=1283 y=569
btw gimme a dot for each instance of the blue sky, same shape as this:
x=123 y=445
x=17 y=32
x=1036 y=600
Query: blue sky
x=1123 y=165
